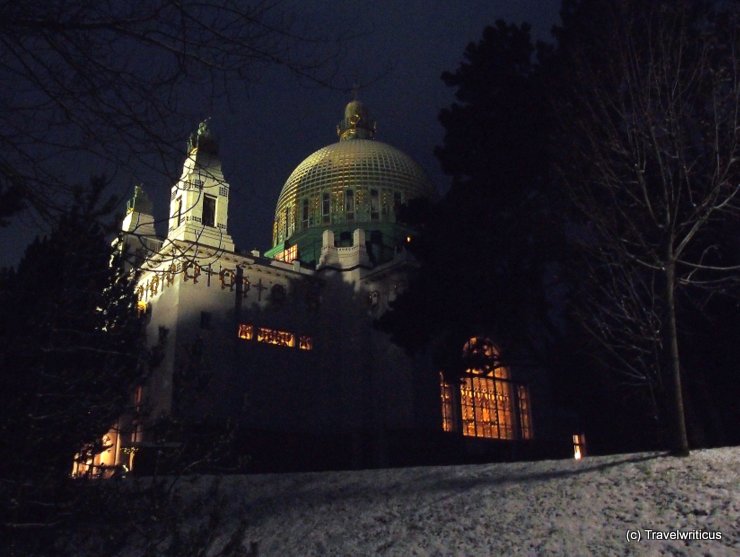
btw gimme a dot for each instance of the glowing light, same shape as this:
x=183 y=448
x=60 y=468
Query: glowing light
x=273 y=336
x=246 y=332
x=266 y=335
x=490 y=405
x=579 y=446
x=98 y=462
x=289 y=255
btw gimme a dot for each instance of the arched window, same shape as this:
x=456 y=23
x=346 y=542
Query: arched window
x=488 y=403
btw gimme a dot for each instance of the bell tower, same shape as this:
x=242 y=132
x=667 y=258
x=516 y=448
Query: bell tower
x=199 y=202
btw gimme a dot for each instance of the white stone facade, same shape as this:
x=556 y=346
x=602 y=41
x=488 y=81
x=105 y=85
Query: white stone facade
x=313 y=365
x=286 y=352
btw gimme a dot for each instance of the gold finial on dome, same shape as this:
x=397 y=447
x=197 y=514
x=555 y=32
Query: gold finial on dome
x=357 y=123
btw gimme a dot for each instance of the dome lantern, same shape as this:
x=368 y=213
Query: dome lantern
x=356 y=123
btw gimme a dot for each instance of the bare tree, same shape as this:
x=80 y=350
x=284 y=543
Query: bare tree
x=651 y=113
x=617 y=304
x=116 y=80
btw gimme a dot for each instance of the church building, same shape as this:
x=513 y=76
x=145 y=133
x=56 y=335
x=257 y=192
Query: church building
x=279 y=349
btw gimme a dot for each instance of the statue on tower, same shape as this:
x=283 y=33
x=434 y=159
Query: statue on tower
x=203 y=139
x=140 y=202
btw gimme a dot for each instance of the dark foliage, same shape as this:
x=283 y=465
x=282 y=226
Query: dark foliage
x=485 y=248
x=70 y=355
x=583 y=180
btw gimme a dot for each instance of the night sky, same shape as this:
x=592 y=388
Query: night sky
x=272 y=125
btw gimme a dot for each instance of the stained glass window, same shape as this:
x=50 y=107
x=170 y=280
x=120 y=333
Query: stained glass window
x=490 y=404
x=267 y=335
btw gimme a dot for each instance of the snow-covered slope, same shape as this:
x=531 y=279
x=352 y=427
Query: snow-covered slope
x=565 y=507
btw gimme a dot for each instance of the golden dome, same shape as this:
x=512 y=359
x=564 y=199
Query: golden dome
x=359 y=181
x=353 y=181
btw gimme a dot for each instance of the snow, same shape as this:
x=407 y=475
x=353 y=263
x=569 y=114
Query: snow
x=556 y=507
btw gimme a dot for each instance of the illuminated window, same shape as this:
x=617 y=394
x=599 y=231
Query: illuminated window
x=486 y=408
x=209 y=211
x=98 y=461
x=275 y=337
x=490 y=405
x=246 y=332
x=289 y=255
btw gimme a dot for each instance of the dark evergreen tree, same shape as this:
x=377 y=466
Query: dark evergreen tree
x=634 y=114
x=70 y=355
x=485 y=248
